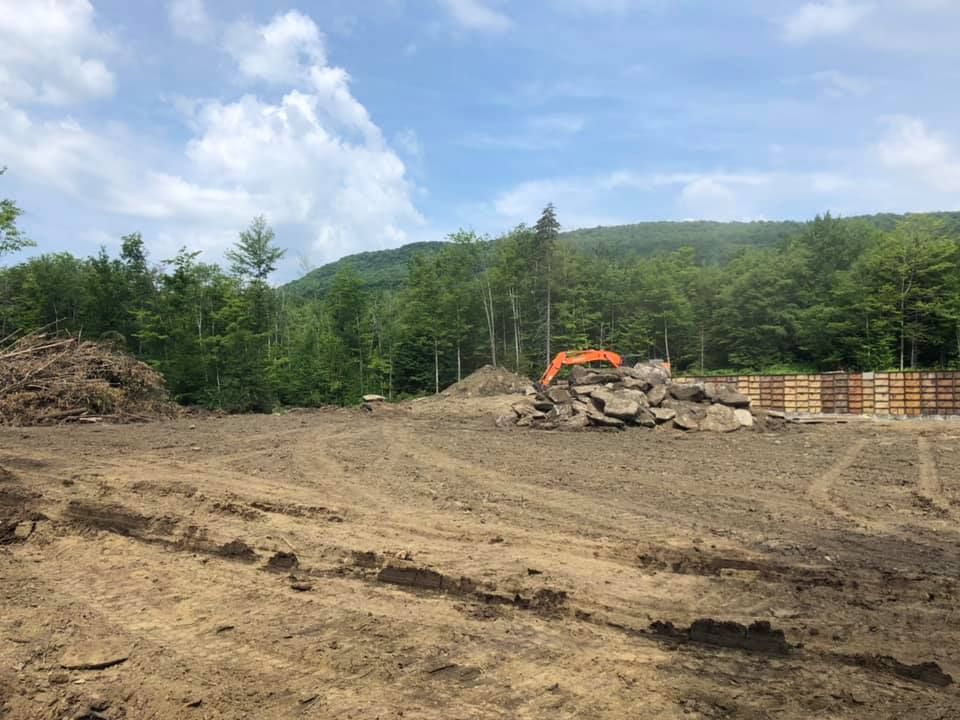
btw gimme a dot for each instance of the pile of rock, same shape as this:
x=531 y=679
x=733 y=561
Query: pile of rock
x=644 y=395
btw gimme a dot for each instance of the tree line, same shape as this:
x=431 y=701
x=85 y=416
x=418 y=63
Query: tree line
x=836 y=294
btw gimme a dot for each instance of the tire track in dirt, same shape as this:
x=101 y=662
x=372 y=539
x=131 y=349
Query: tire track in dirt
x=929 y=483
x=819 y=492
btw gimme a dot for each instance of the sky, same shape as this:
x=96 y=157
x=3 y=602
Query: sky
x=357 y=126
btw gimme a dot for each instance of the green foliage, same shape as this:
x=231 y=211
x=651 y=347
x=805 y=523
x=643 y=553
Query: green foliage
x=379 y=270
x=870 y=293
x=11 y=239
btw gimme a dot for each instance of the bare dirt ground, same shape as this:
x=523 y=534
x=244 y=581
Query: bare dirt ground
x=399 y=563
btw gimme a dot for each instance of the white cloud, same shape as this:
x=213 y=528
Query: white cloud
x=819 y=19
x=476 y=15
x=409 y=143
x=614 y=198
x=707 y=198
x=312 y=161
x=281 y=52
x=51 y=52
x=189 y=19
x=838 y=84
x=909 y=146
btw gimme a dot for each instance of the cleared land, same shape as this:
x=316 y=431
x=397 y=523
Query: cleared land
x=421 y=563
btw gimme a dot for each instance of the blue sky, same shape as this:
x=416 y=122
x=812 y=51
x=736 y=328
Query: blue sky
x=361 y=125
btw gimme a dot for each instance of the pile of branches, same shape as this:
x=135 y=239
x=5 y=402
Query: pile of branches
x=53 y=380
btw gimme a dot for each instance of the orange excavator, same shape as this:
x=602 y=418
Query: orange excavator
x=578 y=357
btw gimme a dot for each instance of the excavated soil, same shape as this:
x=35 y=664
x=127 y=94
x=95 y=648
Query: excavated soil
x=351 y=564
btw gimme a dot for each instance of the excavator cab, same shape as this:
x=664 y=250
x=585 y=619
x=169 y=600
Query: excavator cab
x=577 y=357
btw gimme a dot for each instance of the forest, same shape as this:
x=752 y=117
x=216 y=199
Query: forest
x=829 y=294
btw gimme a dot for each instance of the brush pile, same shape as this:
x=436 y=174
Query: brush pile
x=644 y=396
x=53 y=380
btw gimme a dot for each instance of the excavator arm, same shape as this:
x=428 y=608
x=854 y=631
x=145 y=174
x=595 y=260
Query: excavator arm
x=578 y=357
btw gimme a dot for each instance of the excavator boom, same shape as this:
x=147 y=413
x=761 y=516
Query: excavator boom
x=578 y=357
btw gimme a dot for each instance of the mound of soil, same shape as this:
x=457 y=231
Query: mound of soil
x=48 y=381
x=488 y=381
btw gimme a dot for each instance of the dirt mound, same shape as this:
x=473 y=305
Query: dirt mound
x=487 y=381
x=48 y=381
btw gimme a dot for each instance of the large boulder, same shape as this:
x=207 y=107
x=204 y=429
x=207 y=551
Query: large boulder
x=634 y=383
x=595 y=417
x=744 y=417
x=651 y=374
x=527 y=410
x=688 y=392
x=720 y=418
x=586 y=390
x=689 y=416
x=657 y=394
x=662 y=415
x=726 y=395
x=575 y=422
x=584 y=376
x=645 y=418
x=616 y=403
x=637 y=395
x=581 y=407
x=559 y=395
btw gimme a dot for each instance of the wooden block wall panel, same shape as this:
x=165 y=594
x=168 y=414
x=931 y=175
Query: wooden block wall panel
x=869 y=396
x=898 y=393
x=881 y=393
x=898 y=397
x=813 y=394
x=855 y=394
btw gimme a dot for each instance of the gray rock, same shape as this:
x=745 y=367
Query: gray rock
x=506 y=420
x=657 y=394
x=726 y=395
x=580 y=407
x=615 y=403
x=602 y=377
x=635 y=383
x=651 y=373
x=596 y=417
x=639 y=396
x=688 y=392
x=663 y=414
x=689 y=416
x=527 y=410
x=720 y=418
x=576 y=422
x=580 y=375
x=374 y=398
x=577 y=374
x=710 y=390
x=645 y=418
x=559 y=395
x=544 y=406
x=744 y=417
x=585 y=390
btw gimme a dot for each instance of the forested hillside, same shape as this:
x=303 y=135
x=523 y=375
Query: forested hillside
x=871 y=293
x=714 y=243
x=378 y=270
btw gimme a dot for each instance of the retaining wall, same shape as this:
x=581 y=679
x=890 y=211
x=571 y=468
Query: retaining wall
x=910 y=394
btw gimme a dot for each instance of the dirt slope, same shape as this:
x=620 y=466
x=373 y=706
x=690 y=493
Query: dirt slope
x=359 y=565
